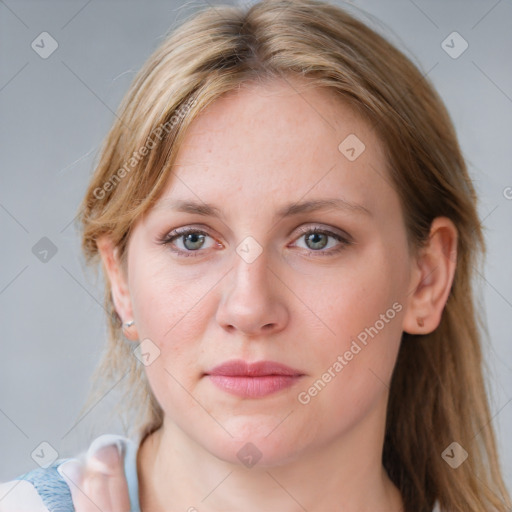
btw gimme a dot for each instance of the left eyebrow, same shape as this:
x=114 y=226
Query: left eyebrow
x=288 y=210
x=321 y=204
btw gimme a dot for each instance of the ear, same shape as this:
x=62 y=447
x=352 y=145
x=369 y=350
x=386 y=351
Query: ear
x=432 y=278
x=116 y=275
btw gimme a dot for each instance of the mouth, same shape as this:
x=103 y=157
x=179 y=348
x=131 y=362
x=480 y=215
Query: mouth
x=253 y=380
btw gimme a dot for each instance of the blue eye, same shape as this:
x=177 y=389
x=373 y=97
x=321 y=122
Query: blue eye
x=317 y=239
x=192 y=240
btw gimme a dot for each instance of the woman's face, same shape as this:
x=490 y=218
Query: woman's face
x=251 y=284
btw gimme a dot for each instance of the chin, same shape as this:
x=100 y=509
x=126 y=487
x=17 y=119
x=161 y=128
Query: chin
x=254 y=447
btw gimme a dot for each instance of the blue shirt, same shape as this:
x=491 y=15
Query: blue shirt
x=45 y=489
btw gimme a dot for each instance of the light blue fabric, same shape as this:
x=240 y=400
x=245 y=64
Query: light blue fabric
x=54 y=491
x=130 y=470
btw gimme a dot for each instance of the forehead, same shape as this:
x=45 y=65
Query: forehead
x=275 y=141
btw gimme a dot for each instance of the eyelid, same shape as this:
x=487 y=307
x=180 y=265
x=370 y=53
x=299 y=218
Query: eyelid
x=343 y=238
x=304 y=228
x=169 y=236
x=308 y=228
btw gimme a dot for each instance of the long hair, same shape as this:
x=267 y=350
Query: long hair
x=438 y=394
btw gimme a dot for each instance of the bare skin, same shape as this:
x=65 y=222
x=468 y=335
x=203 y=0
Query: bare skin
x=250 y=154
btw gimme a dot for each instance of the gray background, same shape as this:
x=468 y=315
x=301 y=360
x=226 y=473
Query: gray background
x=55 y=113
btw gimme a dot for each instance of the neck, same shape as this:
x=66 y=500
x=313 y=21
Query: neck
x=345 y=475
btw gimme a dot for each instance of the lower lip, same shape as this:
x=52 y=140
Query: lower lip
x=253 y=387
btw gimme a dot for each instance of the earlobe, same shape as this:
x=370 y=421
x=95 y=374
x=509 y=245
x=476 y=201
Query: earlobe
x=432 y=278
x=118 y=283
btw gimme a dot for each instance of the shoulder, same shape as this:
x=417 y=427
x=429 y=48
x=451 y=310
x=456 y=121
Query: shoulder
x=45 y=489
x=39 y=490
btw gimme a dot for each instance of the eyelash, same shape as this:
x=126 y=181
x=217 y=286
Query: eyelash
x=168 y=238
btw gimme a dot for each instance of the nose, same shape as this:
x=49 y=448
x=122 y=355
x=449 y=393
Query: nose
x=253 y=300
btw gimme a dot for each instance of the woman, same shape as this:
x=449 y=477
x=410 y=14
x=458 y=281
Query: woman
x=289 y=233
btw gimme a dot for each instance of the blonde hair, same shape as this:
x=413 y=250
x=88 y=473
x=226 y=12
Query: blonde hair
x=438 y=392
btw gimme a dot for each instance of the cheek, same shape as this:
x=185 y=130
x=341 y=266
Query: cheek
x=353 y=364
x=355 y=297
x=169 y=312
x=168 y=305
x=172 y=311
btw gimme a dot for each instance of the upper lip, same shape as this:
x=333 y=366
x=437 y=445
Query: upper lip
x=239 y=367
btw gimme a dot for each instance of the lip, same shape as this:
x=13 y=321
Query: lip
x=253 y=380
